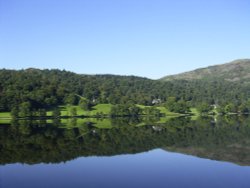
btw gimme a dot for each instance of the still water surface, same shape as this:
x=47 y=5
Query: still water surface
x=176 y=153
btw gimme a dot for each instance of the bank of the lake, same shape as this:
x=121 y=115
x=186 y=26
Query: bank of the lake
x=99 y=110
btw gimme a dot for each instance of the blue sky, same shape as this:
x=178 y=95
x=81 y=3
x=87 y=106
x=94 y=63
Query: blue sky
x=150 y=38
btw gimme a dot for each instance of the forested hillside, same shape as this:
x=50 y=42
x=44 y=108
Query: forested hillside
x=49 y=88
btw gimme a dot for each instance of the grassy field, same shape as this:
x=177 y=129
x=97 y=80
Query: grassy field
x=162 y=109
x=65 y=111
x=194 y=111
x=5 y=115
x=100 y=108
x=5 y=121
x=103 y=109
x=5 y=118
x=167 y=112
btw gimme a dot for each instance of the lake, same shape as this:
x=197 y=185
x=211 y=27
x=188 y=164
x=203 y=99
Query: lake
x=170 y=152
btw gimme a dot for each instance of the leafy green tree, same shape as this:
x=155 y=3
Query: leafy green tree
x=134 y=110
x=14 y=112
x=170 y=104
x=152 y=111
x=51 y=101
x=181 y=107
x=244 y=108
x=221 y=110
x=71 y=99
x=85 y=104
x=73 y=111
x=204 y=108
x=56 y=113
x=24 y=109
x=230 y=108
x=42 y=112
x=125 y=110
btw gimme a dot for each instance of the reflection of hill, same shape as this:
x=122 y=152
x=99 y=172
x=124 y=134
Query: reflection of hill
x=38 y=142
x=229 y=141
x=234 y=153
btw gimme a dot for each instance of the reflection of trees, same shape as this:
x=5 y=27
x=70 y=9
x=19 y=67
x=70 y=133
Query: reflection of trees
x=35 y=142
x=125 y=121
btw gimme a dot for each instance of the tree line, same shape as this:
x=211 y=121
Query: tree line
x=36 y=89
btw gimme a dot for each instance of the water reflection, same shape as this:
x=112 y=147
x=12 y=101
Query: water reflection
x=47 y=141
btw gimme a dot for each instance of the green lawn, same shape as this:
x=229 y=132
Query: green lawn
x=65 y=111
x=167 y=112
x=163 y=120
x=5 y=118
x=5 y=121
x=100 y=108
x=142 y=106
x=194 y=111
x=5 y=115
x=162 y=109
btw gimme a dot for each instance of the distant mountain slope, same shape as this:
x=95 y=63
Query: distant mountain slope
x=238 y=70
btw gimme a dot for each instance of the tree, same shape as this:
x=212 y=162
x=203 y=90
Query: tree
x=42 y=112
x=152 y=111
x=204 y=108
x=24 y=109
x=71 y=99
x=73 y=111
x=221 y=110
x=244 y=108
x=56 y=113
x=170 y=104
x=14 y=112
x=125 y=110
x=134 y=110
x=51 y=101
x=230 y=108
x=180 y=106
x=85 y=104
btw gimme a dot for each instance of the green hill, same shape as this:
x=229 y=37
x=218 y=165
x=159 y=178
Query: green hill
x=50 y=88
x=238 y=70
x=45 y=89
